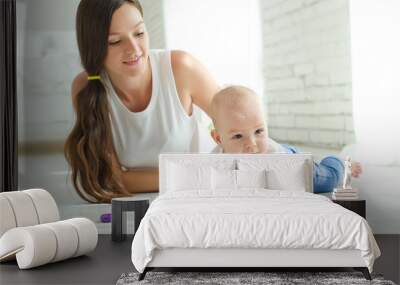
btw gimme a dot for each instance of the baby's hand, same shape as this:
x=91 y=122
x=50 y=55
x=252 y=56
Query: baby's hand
x=356 y=169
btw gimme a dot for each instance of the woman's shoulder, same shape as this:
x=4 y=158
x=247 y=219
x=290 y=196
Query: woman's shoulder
x=194 y=82
x=182 y=60
x=189 y=71
x=78 y=84
x=183 y=66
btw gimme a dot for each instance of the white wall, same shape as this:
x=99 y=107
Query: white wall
x=375 y=27
x=376 y=92
x=307 y=71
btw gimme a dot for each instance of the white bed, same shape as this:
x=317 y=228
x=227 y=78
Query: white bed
x=218 y=210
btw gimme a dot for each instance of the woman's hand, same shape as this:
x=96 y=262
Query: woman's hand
x=356 y=169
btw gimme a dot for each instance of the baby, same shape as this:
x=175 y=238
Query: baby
x=239 y=127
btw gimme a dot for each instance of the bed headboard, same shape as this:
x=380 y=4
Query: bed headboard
x=285 y=167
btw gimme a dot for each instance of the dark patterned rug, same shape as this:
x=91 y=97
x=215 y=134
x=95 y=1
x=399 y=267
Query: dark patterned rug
x=270 y=278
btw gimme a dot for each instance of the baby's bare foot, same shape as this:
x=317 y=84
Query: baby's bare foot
x=356 y=169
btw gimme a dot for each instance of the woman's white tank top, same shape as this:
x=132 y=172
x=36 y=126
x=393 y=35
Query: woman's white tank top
x=164 y=126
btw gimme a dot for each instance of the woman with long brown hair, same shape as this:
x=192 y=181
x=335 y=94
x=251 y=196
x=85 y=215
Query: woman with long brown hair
x=131 y=102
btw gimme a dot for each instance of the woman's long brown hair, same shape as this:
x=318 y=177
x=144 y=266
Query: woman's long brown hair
x=89 y=147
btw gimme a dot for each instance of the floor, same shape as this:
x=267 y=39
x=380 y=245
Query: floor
x=110 y=260
x=102 y=266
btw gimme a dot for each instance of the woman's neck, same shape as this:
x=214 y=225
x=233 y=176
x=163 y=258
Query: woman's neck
x=134 y=92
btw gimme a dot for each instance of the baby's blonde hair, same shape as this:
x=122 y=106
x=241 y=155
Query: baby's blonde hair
x=230 y=97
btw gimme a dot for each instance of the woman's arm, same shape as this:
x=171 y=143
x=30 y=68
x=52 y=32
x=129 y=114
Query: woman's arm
x=137 y=180
x=194 y=82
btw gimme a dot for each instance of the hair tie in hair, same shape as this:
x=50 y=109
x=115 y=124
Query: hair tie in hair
x=94 y=77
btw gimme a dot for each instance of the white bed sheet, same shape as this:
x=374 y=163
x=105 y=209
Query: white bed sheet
x=251 y=218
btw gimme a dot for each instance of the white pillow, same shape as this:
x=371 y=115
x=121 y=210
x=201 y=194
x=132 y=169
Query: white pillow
x=281 y=173
x=292 y=179
x=183 y=177
x=251 y=178
x=223 y=179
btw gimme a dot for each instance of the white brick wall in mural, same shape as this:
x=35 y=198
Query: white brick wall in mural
x=307 y=71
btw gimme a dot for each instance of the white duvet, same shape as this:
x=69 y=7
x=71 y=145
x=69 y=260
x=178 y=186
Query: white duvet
x=252 y=218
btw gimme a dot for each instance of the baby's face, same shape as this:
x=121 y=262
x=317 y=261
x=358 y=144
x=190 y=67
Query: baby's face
x=242 y=129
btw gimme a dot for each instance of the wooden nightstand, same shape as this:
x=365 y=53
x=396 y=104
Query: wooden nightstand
x=357 y=206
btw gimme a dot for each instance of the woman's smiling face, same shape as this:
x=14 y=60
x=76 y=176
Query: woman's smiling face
x=128 y=42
